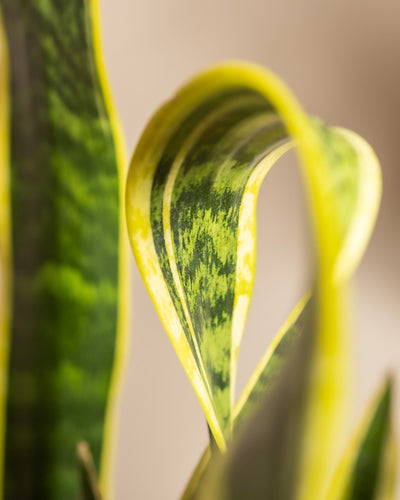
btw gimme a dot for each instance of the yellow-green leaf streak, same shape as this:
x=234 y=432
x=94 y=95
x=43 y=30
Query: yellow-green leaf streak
x=68 y=300
x=124 y=286
x=5 y=239
x=193 y=236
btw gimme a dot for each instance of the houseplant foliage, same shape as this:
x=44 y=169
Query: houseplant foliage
x=63 y=264
x=190 y=209
x=191 y=200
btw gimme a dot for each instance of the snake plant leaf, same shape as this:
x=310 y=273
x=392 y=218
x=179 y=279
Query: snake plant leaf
x=368 y=468
x=197 y=477
x=190 y=201
x=263 y=380
x=63 y=219
x=262 y=460
x=269 y=368
x=87 y=471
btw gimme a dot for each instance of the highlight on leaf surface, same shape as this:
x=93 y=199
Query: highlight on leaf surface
x=191 y=199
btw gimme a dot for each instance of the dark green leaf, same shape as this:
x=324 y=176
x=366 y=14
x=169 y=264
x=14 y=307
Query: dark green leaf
x=65 y=236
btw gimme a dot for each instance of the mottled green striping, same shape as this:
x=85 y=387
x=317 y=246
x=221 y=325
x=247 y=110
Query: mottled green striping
x=211 y=191
x=65 y=237
x=158 y=187
x=159 y=182
x=210 y=185
x=368 y=466
x=273 y=367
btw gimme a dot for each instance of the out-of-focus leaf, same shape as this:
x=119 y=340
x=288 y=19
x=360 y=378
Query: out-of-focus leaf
x=68 y=266
x=368 y=467
x=262 y=381
x=191 y=198
x=269 y=368
x=263 y=459
x=197 y=476
x=88 y=476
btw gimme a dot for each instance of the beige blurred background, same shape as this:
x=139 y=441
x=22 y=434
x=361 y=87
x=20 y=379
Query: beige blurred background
x=341 y=58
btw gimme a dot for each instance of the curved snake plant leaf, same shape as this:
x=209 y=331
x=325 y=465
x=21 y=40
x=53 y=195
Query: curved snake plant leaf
x=368 y=468
x=191 y=196
x=68 y=266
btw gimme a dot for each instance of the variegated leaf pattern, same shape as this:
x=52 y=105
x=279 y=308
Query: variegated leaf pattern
x=367 y=469
x=191 y=198
x=62 y=249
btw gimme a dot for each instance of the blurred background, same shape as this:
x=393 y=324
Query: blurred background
x=341 y=59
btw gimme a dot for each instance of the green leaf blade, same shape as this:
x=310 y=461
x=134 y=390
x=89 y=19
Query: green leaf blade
x=368 y=466
x=366 y=470
x=68 y=284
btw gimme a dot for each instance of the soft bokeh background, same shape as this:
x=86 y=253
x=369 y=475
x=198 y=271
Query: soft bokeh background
x=341 y=58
